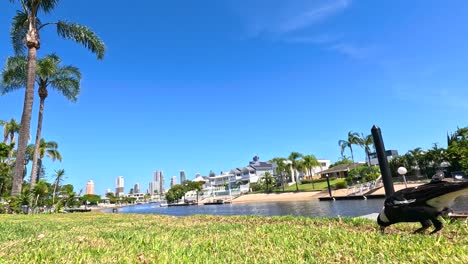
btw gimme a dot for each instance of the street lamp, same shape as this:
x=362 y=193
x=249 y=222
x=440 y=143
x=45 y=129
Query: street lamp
x=328 y=184
x=282 y=178
x=402 y=171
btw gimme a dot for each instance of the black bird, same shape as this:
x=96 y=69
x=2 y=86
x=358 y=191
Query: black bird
x=424 y=204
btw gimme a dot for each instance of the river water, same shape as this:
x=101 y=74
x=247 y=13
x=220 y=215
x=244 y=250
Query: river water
x=313 y=208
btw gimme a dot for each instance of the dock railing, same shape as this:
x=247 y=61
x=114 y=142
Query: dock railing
x=365 y=187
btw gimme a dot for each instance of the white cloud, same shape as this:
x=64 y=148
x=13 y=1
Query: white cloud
x=350 y=50
x=279 y=17
x=312 y=15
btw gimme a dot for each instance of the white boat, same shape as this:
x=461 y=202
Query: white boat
x=163 y=205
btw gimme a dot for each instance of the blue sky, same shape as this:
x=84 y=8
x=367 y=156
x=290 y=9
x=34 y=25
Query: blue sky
x=206 y=85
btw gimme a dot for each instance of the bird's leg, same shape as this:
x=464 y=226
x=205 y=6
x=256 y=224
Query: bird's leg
x=382 y=229
x=438 y=225
x=425 y=225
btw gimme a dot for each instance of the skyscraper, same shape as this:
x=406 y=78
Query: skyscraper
x=152 y=188
x=136 y=188
x=173 y=181
x=119 y=185
x=159 y=181
x=182 y=176
x=90 y=187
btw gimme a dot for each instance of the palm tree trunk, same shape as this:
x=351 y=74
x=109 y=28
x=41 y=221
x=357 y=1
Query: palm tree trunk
x=352 y=155
x=368 y=158
x=26 y=117
x=53 y=194
x=32 y=181
x=12 y=143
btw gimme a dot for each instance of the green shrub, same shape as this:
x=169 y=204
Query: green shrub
x=371 y=177
x=341 y=184
x=255 y=187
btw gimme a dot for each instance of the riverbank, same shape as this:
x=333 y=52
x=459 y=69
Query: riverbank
x=275 y=197
x=126 y=238
x=304 y=196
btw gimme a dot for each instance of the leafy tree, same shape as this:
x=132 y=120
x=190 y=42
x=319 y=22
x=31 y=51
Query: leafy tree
x=457 y=150
x=400 y=161
x=25 y=30
x=5 y=169
x=193 y=185
x=343 y=160
x=67 y=195
x=49 y=73
x=91 y=199
x=364 y=173
x=175 y=193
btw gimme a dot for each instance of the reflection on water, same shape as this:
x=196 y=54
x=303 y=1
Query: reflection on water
x=296 y=208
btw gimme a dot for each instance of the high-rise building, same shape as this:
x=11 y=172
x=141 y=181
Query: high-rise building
x=157 y=185
x=159 y=180
x=173 y=181
x=90 y=187
x=136 y=188
x=182 y=176
x=119 y=185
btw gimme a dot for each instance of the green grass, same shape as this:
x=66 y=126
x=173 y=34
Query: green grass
x=120 y=238
x=319 y=186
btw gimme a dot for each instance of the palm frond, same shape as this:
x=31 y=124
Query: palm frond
x=46 y=67
x=14 y=74
x=50 y=144
x=69 y=87
x=19 y=28
x=83 y=35
x=53 y=154
x=47 y=5
x=40 y=5
x=67 y=81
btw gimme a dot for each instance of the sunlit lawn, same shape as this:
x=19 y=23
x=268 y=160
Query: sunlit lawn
x=121 y=238
x=319 y=186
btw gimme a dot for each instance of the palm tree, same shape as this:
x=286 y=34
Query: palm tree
x=49 y=73
x=48 y=148
x=25 y=30
x=10 y=129
x=309 y=162
x=280 y=168
x=41 y=192
x=295 y=164
x=59 y=175
x=353 y=139
x=365 y=142
x=268 y=180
